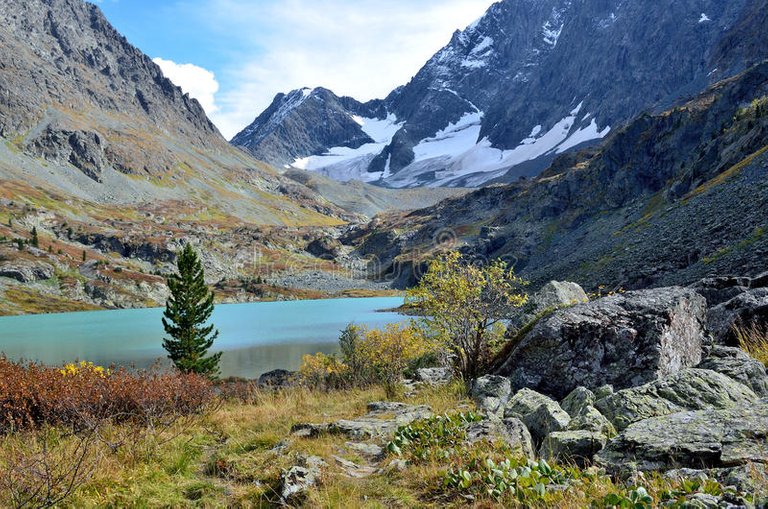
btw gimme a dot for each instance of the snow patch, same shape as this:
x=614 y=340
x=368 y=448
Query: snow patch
x=583 y=135
x=344 y=163
x=704 y=18
x=454 y=155
x=551 y=33
x=453 y=140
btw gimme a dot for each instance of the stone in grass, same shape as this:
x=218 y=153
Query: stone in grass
x=578 y=446
x=490 y=393
x=540 y=414
x=511 y=432
x=434 y=376
x=297 y=480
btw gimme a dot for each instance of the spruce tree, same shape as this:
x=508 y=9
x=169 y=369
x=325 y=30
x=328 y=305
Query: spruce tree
x=186 y=313
x=35 y=238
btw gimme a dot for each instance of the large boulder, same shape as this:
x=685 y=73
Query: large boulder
x=624 y=340
x=690 y=389
x=490 y=393
x=745 y=310
x=737 y=364
x=540 y=414
x=552 y=296
x=711 y=438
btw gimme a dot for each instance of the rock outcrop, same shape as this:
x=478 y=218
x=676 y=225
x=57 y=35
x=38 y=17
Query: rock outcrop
x=26 y=272
x=744 y=310
x=695 y=439
x=689 y=389
x=624 y=340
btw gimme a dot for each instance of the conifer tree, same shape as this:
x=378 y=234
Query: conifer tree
x=186 y=313
x=35 y=239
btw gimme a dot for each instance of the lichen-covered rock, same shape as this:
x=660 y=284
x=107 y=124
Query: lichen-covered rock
x=299 y=479
x=491 y=393
x=510 y=431
x=712 y=438
x=552 y=296
x=589 y=418
x=579 y=446
x=540 y=414
x=690 y=389
x=26 y=272
x=737 y=364
x=624 y=340
x=746 y=309
x=579 y=399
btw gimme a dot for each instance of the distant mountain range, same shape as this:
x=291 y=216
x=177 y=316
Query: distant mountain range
x=530 y=80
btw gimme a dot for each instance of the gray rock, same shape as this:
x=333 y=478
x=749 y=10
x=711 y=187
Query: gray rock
x=579 y=399
x=579 y=446
x=603 y=391
x=490 y=393
x=712 y=438
x=737 y=364
x=371 y=451
x=552 y=296
x=751 y=478
x=702 y=501
x=624 y=340
x=744 y=310
x=721 y=289
x=589 y=418
x=278 y=378
x=382 y=420
x=26 y=271
x=690 y=389
x=297 y=480
x=434 y=376
x=540 y=414
x=510 y=431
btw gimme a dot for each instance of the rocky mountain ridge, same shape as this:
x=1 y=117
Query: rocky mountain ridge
x=531 y=80
x=668 y=199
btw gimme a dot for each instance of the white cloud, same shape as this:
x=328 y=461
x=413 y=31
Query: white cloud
x=361 y=48
x=199 y=83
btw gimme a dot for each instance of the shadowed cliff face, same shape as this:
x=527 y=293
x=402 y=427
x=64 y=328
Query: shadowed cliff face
x=535 y=78
x=670 y=198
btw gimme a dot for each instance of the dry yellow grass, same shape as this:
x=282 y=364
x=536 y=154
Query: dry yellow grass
x=754 y=340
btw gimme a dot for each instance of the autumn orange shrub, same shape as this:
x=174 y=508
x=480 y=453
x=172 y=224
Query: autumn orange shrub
x=81 y=395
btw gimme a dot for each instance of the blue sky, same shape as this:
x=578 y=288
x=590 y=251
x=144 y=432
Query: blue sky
x=235 y=55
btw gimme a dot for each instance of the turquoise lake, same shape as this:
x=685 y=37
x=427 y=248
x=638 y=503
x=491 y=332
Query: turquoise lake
x=255 y=338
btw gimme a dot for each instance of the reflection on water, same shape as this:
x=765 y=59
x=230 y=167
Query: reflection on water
x=255 y=338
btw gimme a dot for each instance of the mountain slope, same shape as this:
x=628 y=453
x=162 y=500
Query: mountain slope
x=533 y=79
x=86 y=114
x=668 y=199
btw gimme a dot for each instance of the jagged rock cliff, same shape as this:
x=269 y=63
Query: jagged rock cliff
x=531 y=80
